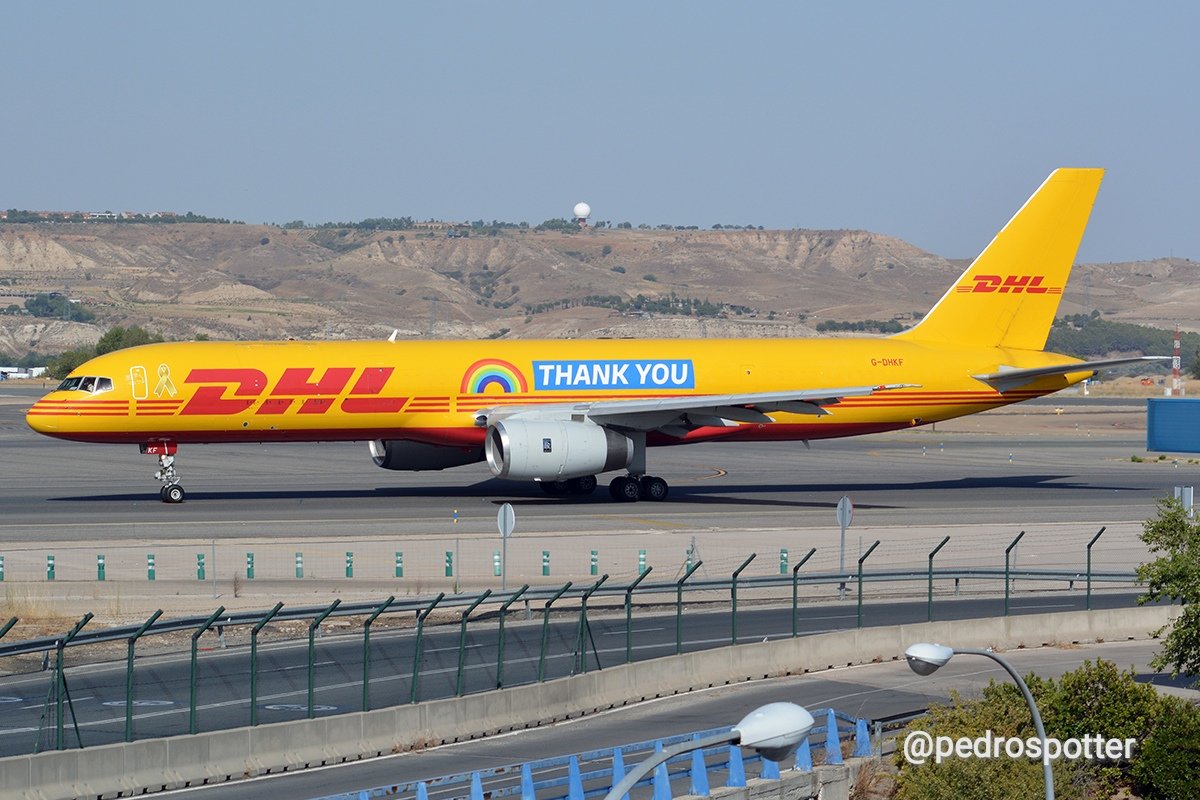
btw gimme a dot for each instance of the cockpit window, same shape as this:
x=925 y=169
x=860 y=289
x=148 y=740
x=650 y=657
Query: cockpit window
x=86 y=383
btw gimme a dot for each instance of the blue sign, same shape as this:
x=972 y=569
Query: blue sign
x=615 y=374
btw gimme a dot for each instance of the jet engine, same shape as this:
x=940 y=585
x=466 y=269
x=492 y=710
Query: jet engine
x=554 y=450
x=401 y=454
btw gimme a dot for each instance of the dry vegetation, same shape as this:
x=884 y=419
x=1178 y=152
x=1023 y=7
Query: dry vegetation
x=246 y=281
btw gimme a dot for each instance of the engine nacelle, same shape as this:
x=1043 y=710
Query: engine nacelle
x=554 y=450
x=401 y=454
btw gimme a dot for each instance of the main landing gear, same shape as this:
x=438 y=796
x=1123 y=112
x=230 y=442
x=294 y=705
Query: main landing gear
x=171 y=491
x=629 y=489
x=625 y=488
x=576 y=486
x=637 y=485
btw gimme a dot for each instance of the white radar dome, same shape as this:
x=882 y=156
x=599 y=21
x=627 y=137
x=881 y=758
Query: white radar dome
x=582 y=211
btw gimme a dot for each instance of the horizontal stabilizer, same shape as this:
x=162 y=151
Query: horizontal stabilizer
x=1006 y=379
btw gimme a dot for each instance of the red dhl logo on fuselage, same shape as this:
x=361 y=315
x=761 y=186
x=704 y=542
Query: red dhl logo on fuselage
x=1008 y=284
x=296 y=385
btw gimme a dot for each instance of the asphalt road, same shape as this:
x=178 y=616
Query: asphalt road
x=869 y=691
x=161 y=684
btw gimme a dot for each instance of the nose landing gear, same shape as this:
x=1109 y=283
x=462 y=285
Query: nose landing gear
x=171 y=491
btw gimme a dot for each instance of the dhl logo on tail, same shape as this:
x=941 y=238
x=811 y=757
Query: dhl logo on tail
x=1030 y=284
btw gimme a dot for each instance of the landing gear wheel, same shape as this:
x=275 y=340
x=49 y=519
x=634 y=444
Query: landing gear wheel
x=625 y=489
x=582 y=486
x=173 y=493
x=162 y=493
x=651 y=488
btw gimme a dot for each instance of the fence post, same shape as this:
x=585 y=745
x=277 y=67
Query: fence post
x=1089 y=565
x=629 y=614
x=312 y=646
x=863 y=558
x=500 y=643
x=462 y=642
x=366 y=691
x=1008 y=550
x=249 y=566
x=679 y=606
x=149 y=566
x=584 y=630
x=129 y=673
x=254 y=661
x=60 y=683
x=99 y=566
x=796 y=587
x=8 y=626
x=733 y=584
x=421 y=616
x=541 y=673
x=192 y=675
x=934 y=552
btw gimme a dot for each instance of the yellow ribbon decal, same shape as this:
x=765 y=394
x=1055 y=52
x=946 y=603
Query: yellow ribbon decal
x=164 y=382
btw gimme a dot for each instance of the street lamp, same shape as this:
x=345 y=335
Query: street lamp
x=925 y=659
x=774 y=731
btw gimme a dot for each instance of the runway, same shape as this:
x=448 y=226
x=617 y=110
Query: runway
x=53 y=491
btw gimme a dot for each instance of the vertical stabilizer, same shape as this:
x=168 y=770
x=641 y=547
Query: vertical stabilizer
x=1009 y=295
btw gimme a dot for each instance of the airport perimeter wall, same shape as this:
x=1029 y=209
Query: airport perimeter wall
x=156 y=764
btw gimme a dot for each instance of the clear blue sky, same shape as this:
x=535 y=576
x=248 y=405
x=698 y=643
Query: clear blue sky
x=928 y=121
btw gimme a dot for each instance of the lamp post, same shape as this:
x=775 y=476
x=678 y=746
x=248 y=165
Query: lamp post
x=925 y=659
x=774 y=731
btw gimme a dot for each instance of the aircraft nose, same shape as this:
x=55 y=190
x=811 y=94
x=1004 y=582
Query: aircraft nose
x=39 y=418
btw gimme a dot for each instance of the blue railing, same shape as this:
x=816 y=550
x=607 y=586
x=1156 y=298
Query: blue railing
x=594 y=773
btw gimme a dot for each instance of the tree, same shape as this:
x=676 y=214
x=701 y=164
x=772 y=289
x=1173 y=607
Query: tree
x=1096 y=698
x=57 y=306
x=61 y=365
x=1174 y=576
x=118 y=338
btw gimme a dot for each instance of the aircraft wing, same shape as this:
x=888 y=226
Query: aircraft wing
x=677 y=415
x=1005 y=379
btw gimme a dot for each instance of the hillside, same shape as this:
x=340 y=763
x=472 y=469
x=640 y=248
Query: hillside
x=248 y=281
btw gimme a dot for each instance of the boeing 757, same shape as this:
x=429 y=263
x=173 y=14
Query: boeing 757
x=562 y=412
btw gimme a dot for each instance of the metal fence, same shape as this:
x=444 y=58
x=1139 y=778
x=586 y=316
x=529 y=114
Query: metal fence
x=562 y=630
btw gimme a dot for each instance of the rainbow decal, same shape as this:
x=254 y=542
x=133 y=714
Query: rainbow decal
x=493 y=372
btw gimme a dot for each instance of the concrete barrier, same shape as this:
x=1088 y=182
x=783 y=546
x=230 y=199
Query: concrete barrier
x=125 y=769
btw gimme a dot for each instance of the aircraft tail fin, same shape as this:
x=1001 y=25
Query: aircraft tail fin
x=1009 y=295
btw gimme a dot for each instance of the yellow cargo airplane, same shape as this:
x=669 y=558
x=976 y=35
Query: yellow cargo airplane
x=560 y=412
